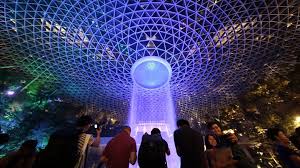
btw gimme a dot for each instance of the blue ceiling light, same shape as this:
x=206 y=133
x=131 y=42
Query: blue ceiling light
x=151 y=72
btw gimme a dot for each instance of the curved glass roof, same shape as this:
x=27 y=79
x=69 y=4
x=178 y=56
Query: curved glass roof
x=217 y=49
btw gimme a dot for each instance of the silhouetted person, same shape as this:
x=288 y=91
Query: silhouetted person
x=231 y=140
x=295 y=138
x=156 y=133
x=153 y=150
x=120 y=150
x=189 y=146
x=288 y=156
x=22 y=158
x=67 y=147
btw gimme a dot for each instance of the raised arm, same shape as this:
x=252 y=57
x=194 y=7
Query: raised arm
x=96 y=141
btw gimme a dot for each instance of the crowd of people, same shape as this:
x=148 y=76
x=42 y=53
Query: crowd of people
x=217 y=149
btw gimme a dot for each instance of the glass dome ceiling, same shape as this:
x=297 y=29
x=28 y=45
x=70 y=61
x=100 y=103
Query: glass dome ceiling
x=216 y=48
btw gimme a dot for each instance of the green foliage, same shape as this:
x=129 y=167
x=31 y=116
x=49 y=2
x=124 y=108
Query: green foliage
x=27 y=114
x=33 y=89
x=271 y=103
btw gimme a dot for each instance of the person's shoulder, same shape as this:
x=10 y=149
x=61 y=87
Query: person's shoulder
x=187 y=131
x=209 y=152
x=11 y=154
x=146 y=136
x=280 y=147
x=178 y=131
x=165 y=142
x=283 y=151
x=132 y=140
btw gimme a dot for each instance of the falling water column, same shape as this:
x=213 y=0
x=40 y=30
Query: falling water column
x=151 y=102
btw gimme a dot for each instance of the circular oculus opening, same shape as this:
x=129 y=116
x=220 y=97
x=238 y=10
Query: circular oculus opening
x=151 y=72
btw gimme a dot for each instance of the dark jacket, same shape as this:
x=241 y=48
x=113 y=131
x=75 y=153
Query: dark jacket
x=152 y=152
x=190 y=148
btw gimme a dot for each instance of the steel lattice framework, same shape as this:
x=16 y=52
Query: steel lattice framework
x=216 y=48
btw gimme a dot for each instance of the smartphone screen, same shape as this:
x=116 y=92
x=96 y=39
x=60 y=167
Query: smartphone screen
x=95 y=126
x=230 y=131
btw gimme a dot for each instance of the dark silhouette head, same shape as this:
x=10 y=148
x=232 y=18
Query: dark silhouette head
x=272 y=133
x=29 y=147
x=182 y=123
x=210 y=124
x=4 y=138
x=277 y=134
x=215 y=128
x=84 y=122
x=127 y=129
x=29 y=144
x=155 y=131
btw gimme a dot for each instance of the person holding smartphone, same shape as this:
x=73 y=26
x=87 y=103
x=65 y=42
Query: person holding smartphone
x=218 y=157
x=229 y=139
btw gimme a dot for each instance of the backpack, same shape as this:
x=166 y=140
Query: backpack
x=152 y=152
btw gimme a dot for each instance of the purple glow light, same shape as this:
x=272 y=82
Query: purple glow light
x=10 y=93
x=154 y=108
x=151 y=72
